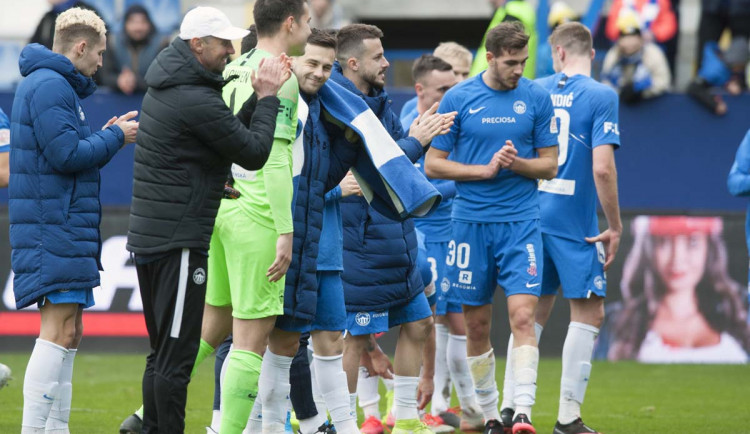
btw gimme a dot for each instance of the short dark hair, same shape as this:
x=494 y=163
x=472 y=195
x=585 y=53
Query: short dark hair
x=250 y=41
x=269 y=14
x=507 y=37
x=323 y=38
x=426 y=64
x=572 y=36
x=349 y=39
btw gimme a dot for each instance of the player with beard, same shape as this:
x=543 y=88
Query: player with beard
x=382 y=284
x=502 y=142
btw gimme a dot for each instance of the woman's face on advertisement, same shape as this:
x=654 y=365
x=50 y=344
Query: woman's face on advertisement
x=681 y=260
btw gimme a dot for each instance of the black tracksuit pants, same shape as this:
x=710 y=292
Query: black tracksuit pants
x=173 y=290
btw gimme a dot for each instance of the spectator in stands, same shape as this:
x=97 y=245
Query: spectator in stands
x=635 y=67
x=720 y=15
x=132 y=51
x=680 y=304
x=718 y=69
x=45 y=30
x=326 y=14
x=656 y=19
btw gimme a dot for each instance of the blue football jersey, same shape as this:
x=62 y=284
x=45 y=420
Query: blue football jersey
x=587 y=116
x=437 y=226
x=486 y=119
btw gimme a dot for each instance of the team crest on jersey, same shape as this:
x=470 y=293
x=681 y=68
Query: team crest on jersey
x=81 y=115
x=445 y=284
x=199 y=276
x=519 y=107
x=532 y=260
x=362 y=318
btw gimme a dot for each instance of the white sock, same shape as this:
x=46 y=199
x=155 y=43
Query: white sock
x=576 y=368
x=255 y=421
x=333 y=387
x=525 y=360
x=441 y=399
x=405 y=397
x=353 y=401
x=482 y=369
x=273 y=390
x=40 y=384
x=320 y=402
x=508 y=383
x=57 y=422
x=460 y=375
x=367 y=390
x=216 y=420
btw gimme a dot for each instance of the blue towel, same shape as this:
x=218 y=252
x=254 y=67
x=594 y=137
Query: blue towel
x=389 y=181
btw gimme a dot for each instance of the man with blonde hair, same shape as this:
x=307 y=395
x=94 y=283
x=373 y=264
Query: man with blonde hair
x=54 y=205
x=458 y=57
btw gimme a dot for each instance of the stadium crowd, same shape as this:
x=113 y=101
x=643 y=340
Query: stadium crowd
x=284 y=215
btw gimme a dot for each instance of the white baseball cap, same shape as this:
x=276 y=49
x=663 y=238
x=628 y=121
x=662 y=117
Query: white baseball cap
x=207 y=21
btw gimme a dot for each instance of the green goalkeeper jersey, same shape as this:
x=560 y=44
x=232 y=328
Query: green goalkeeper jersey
x=266 y=194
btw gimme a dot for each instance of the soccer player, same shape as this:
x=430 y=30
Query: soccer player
x=433 y=77
x=5 y=374
x=314 y=277
x=502 y=141
x=576 y=255
x=382 y=285
x=738 y=181
x=251 y=247
x=54 y=206
x=459 y=57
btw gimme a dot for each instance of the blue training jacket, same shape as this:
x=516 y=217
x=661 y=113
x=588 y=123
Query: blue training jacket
x=326 y=162
x=53 y=202
x=380 y=254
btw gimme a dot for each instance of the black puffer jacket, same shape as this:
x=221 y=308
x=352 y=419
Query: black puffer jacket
x=187 y=140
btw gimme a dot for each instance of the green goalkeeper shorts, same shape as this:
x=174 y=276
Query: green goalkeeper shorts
x=239 y=257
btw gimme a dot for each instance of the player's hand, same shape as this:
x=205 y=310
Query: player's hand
x=507 y=155
x=271 y=74
x=349 y=186
x=380 y=364
x=277 y=270
x=424 y=391
x=128 y=126
x=611 y=240
x=430 y=124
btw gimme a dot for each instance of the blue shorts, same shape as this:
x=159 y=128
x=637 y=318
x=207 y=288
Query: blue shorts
x=484 y=255
x=576 y=265
x=331 y=310
x=377 y=321
x=436 y=254
x=84 y=297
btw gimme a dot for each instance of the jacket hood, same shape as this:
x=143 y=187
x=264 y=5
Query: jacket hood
x=377 y=100
x=35 y=56
x=176 y=65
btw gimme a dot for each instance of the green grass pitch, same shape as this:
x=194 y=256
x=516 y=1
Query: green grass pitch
x=627 y=398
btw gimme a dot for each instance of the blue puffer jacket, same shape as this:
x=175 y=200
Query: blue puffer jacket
x=380 y=254
x=326 y=163
x=53 y=203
